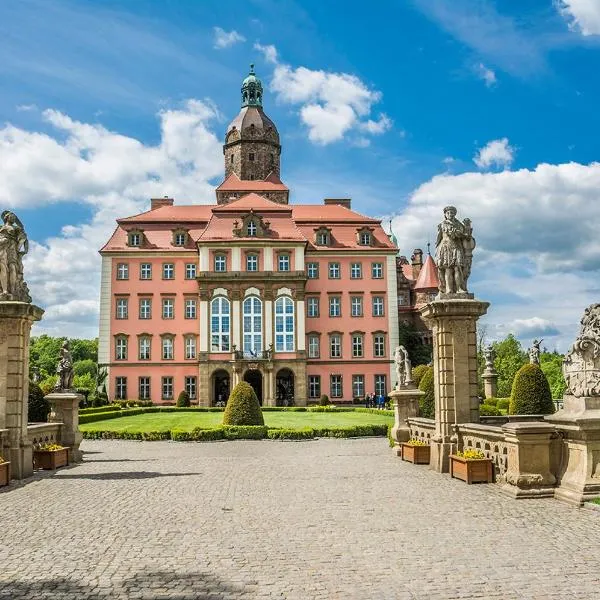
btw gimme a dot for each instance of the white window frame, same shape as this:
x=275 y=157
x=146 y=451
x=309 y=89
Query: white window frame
x=284 y=328
x=356 y=306
x=144 y=344
x=358 y=345
x=122 y=308
x=335 y=306
x=190 y=347
x=312 y=307
x=283 y=262
x=145 y=271
x=145 y=308
x=180 y=238
x=190 y=270
x=121 y=388
x=312 y=270
x=168 y=271
x=251 y=228
x=335 y=345
x=120 y=347
x=314 y=346
x=334 y=270
x=336 y=386
x=168 y=308
x=191 y=386
x=377 y=385
x=220 y=324
x=378 y=306
x=314 y=386
x=135 y=239
x=191 y=308
x=166 y=387
x=220 y=263
x=144 y=387
x=252 y=263
x=379 y=345
x=252 y=321
x=356 y=270
x=358 y=386
x=365 y=238
x=323 y=238
x=168 y=348
x=122 y=271
x=377 y=270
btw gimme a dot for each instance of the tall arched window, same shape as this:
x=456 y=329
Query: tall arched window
x=219 y=325
x=284 y=324
x=252 y=326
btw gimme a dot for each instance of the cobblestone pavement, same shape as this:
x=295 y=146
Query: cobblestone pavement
x=308 y=520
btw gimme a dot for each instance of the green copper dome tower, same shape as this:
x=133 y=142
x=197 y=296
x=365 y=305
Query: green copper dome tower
x=252 y=90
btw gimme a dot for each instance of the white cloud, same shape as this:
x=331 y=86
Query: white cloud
x=269 y=52
x=497 y=153
x=225 y=39
x=582 y=15
x=486 y=74
x=533 y=327
x=114 y=175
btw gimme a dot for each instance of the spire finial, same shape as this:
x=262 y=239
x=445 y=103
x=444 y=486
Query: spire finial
x=252 y=68
x=429 y=248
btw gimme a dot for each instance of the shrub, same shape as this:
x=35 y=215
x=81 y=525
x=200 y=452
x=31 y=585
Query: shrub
x=208 y=435
x=243 y=407
x=245 y=432
x=38 y=408
x=486 y=410
x=427 y=402
x=503 y=403
x=491 y=401
x=306 y=433
x=531 y=393
x=183 y=399
x=418 y=372
x=324 y=400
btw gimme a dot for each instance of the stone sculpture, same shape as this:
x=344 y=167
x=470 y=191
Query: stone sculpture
x=454 y=252
x=403 y=367
x=64 y=369
x=489 y=355
x=534 y=352
x=13 y=246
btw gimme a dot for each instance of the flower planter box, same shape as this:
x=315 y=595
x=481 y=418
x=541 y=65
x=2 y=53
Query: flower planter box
x=4 y=473
x=418 y=455
x=51 y=459
x=479 y=470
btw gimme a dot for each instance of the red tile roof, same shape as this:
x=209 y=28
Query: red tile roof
x=169 y=214
x=234 y=184
x=428 y=277
x=255 y=202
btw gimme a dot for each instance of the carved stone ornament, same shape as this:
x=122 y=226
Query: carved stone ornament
x=64 y=370
x=403 y=367
x=534 y=352
x=581 y=365
x=489 y=355
x=13 y=246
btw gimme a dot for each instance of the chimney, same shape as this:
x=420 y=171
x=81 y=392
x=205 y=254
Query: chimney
x=416 y=262
x=159 y=202
x=346 y=202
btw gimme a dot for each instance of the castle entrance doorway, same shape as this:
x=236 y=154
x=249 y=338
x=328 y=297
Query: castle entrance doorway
x=255 y=379
x=221 y=387
x=284 y=388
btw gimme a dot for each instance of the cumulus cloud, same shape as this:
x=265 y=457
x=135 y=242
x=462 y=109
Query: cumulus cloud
x=268 y=51
x=486 y=75
x=497 y=153
x=582 y=15
x=533 y=327
x=114 y=175
x=226 y=39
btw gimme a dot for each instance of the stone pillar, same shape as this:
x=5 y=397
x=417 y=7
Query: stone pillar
x=65 y=410
x=490 y=383
x=528 y=473
x=453 y=319
x=16 y=319
x=406 y=406
x=268 y=385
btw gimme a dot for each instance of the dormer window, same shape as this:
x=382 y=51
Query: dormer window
x=251 y=229
x=323 y=238
x=365 y=238
x=179 y=238
x=134 y=239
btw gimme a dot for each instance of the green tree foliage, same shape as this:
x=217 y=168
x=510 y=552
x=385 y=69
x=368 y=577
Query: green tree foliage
x=84 y=350
x=43 y=355
x=510 y=357
x=183 y=399
x=243 y=407
x=530 y=392
x=47 y=385
x=85 y=366
x=84 y=382
x=427 y=402
x=418 y=372
x=551 y=364
x=419 y=353
x=38 y=407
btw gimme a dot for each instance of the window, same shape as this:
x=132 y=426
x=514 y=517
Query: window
x=380 y=385
x=357 y=345
x=356 y=303
x=180 y=238
x=358 y=386
x=190 y=347
x=251 y=156
x=334 y=270
x=335 y=306
x=121 y=388
x=190 y=270
x=312 y=307
x=251 y=262
x=144 y=345
x=314 y=386
x=335 y=345
x=219 y=324
x=378 y=306
x=312 y=270
x=190 y=308
x=122 y=271
x=167 y=388
x=122 y=308
x=379 y=345
x=135 y=239
x=335 y=386
x=402 y=300
x=323 y=238
x=284 y=324
x=167 y=348
x=251 y=229
x=121 y=348
x=284 y=262
x=314 y=346
x=365 y=238
x=168 y=271
x=190 y=387
x=252 y=309
x=220 y=263
x=355 y=271
x=144 y=388
x=168 y=308
x=145 y=308
x=145 y=271
x=377 y=270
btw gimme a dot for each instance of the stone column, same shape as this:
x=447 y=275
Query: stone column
x=406 y=406
x=490 y=383
x=16 y=319
x=65 y=410
x=453 y=319
x=268 y=384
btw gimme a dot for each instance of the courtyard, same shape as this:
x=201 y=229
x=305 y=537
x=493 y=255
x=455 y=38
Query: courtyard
x=318 y=519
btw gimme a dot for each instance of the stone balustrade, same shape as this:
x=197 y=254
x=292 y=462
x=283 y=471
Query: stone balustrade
x=488 y=439
x=44 y=433
x=421 y=428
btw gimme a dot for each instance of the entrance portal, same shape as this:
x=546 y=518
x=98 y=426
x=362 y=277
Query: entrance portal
x=254 y=378
x=221 y=387
x=284 y=388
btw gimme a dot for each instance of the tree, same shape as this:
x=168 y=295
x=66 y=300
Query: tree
x=530 y=392
x=85 y=367
x=44 y=352
x=418 y=352
x=38 y=407
x=427 y=402
x=418 y=372
x=183 y=400
x=84 y=350
x=243 y=407
x=551 y=364
x=510 y=357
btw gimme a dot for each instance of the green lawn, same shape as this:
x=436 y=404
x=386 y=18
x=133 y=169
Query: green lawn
x=188 y=421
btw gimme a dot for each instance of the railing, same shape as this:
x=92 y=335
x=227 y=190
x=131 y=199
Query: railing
x=504 y=419
x=245 y=355
x=44 y=433
x=488 y=439
x=421 y=428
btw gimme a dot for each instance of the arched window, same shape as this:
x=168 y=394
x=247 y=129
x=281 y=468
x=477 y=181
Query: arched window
x=284 y=324
x=252 y=326
x=219 y=324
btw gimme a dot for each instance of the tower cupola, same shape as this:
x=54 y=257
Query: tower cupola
x=252 y=90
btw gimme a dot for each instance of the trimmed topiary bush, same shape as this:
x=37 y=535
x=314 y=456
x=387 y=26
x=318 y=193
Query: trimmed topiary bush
x=418 y=372
x=491 y=401
x=503 y=403
x=427 y=402
x=324 y=400
x=243 y=407
x=38 y=408
x=531 y=393
x=487 y=410
x=183 y=399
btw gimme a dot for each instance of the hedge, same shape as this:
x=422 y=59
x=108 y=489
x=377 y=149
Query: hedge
x=503 y=403
x=418 y=372
x=427 y=402
x=306 y=433
x=531 y=393
x=487 y=410
x=243 y=408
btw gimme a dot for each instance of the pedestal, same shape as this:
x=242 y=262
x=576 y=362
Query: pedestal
x=490 y=383
x=453 y=320
x=406 y=405
x=16 y=319
x=65 y=410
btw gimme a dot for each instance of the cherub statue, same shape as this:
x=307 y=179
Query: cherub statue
x=64 y=369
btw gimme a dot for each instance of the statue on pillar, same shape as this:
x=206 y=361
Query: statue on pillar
x=64 y=369
x=403 y=367
x=534 y=352
x=489 y=355
x=13 y=246
x=454 y=252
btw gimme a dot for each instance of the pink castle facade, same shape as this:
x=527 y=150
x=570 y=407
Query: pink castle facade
x=298 y=300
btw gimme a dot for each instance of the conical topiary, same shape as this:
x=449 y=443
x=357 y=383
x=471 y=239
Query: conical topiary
x=38 y=407
x=531 y=393
x=183 y=400
x=427 y=402
x=418 y=372
x=243 y=407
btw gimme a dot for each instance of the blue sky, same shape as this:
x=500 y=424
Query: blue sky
x=405 y=107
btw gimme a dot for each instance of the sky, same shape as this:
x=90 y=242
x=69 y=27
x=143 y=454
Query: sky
x=405 y=108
